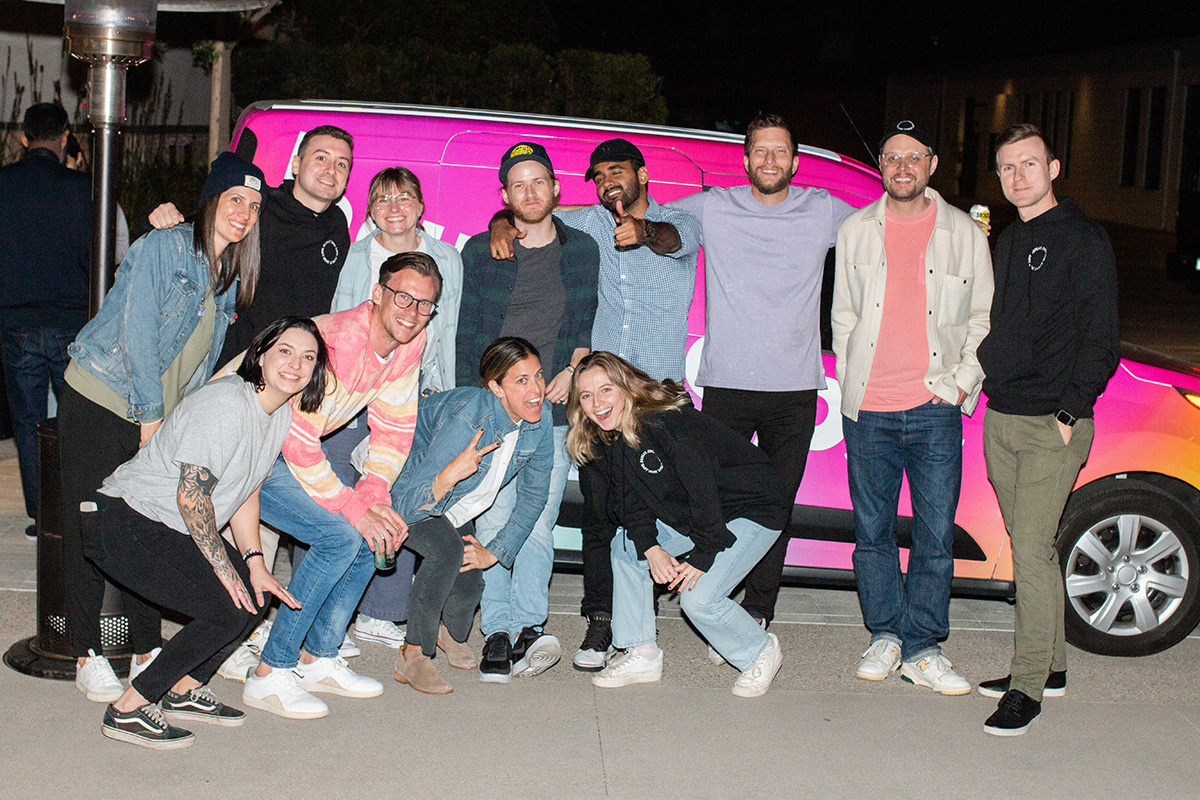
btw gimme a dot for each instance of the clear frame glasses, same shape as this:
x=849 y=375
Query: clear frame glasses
x=404 y=200
x=911 y=159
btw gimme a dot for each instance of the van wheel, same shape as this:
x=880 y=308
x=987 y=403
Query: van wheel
x=1130 y=555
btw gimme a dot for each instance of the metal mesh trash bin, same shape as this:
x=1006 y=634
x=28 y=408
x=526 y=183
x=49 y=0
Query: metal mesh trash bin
x=48 y=654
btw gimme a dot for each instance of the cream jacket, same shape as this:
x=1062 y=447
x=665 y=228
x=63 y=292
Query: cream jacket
x=958 y=298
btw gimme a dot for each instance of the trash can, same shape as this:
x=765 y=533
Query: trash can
x=48 y=654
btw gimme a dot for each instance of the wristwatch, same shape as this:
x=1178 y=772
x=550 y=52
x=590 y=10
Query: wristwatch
x=1065 y=418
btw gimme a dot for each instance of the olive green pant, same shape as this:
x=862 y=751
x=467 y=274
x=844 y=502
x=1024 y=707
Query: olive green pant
x=1032 y=471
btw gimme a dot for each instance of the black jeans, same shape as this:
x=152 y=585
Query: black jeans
x=167 y=568
x=92 y=443
x=440 y=593
x=784 y=422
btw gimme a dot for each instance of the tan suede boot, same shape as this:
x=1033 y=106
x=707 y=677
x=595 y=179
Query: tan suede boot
x=418 y=671
x=457 y=653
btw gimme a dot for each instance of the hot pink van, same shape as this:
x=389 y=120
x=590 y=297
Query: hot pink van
x=1130 y=535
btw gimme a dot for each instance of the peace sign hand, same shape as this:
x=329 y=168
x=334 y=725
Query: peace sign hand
x=466 y=463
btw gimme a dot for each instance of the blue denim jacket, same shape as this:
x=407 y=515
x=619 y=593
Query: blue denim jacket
x=154 y=305
x=446 y=423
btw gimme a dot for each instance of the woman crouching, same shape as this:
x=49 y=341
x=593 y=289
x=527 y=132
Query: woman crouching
x=688 y=503
x=153 y=528
x=469 y=443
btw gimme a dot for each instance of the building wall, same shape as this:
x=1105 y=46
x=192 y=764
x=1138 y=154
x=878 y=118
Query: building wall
x=1120 y=165
x=167 y=88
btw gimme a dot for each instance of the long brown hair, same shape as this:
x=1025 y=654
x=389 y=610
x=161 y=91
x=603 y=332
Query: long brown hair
x=239 y=262
x=643 y=395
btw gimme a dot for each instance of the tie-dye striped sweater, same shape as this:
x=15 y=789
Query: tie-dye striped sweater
x=388 y=390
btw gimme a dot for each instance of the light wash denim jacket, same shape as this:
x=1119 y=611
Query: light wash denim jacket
x=446 y=423
x=153 y=307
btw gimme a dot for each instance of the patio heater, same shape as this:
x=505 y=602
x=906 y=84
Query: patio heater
x=110 y=36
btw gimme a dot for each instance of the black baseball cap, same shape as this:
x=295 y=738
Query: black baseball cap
x=614 y=150
x=908 y=127
x=523 y=151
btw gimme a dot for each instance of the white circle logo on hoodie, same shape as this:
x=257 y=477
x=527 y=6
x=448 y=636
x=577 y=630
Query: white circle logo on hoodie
x=651 y=462
x=1037 y=257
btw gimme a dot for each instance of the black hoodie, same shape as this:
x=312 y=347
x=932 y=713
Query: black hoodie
x=1054 y=340
x=302 y=257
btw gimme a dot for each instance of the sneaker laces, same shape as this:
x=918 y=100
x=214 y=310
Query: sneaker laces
x=878 y=648
x=203 y=693
x=153 y=713
x=598 y=636
x=1010 y=702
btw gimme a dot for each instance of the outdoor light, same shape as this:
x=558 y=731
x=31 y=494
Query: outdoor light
x=110 y=35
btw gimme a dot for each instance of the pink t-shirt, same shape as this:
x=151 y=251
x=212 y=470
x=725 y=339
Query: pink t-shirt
x=897 y=380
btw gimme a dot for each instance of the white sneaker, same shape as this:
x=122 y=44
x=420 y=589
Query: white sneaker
x=280 y=693
x=332 y=676
x=755 y=681
x=881 y=659
x=136 y=669
x=378 y=630
x=717 y=659
x=245 y=658
x=937 y=673
x=348 y=649
x=97 y=680
x=629 y=667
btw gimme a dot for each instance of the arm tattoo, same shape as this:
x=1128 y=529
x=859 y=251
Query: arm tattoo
x=195 y=506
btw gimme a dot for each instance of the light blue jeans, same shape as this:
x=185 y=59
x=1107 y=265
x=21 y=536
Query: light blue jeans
x=726 y=625
x=520 y=598
x=329 y=581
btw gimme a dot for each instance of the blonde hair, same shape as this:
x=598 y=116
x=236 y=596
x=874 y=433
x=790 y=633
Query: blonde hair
x=643 y=395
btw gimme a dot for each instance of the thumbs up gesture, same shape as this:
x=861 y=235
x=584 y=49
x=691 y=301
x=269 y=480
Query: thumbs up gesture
x=630 y=231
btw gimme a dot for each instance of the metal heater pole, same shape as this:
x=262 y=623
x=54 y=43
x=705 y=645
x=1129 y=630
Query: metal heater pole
x=107 y=112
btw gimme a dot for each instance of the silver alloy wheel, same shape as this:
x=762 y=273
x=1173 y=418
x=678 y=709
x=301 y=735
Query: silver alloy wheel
x=1127 y=574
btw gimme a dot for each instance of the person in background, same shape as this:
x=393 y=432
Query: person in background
x=395 y=206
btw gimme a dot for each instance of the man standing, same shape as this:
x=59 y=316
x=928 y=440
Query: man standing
x=647 y=278
x=764 y=258
x=910 y=306
x=45 y=247
x=1052 y=348
x=547 y=295
x=375 y=356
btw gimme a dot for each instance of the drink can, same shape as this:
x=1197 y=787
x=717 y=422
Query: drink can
x=981 y=214
x=385 y=559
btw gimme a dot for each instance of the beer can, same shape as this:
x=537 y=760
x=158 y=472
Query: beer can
x=981 y=214
x=384 y=559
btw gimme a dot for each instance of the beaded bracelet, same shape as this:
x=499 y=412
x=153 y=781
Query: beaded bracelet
x=249 y=554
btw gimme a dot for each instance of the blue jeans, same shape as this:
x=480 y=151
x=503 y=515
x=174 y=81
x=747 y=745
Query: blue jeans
x=881 y=447
x=34 y=360
x=726 y=625
x=328 y=582
x=519 y=598
x=386 y=596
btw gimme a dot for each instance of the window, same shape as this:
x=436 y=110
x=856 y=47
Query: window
x=1129 y=147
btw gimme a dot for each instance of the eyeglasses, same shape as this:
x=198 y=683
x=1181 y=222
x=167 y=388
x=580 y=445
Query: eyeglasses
x=912 y=159
x=404 y=200
x=404 y=300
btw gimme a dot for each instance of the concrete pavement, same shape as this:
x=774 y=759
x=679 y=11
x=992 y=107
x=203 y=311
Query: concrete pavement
x=1125 y=726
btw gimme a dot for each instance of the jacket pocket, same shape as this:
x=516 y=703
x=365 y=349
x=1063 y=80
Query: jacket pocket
x=954 y=304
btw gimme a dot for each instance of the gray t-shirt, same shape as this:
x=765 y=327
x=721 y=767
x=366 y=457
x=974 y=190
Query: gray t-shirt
x=222 y=427
x=535 y=310
x=762 y=277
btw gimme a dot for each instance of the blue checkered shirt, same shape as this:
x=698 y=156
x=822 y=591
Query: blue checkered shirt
x=644 y=297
